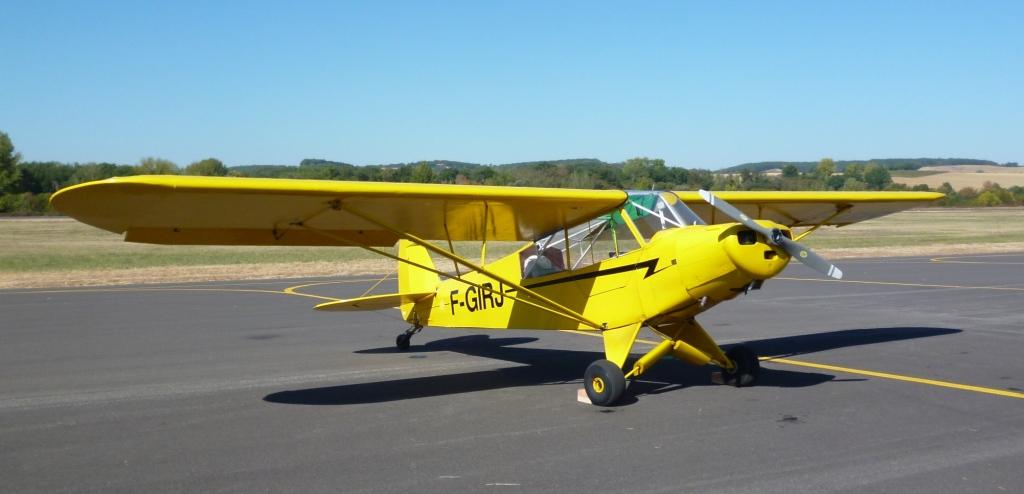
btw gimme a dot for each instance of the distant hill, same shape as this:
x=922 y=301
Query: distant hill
x=319 y=162
x=263 y=171
x=890 y=163
x=569 y=162
x=327 y=167
x=584 y=163
x=458 y=165
x=268 y=170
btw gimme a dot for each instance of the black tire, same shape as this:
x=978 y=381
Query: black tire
x=747 y=370
x=403 y=341
x=604 y=382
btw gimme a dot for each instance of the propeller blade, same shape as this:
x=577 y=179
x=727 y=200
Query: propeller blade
x=734 y=213
x=775 y=237
x=808 y=257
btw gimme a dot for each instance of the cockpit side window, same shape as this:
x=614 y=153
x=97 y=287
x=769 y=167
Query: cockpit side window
x=537 y=262
x=607 y=235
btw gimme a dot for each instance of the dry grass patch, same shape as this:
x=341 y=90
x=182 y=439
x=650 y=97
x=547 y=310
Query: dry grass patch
x=961 y=176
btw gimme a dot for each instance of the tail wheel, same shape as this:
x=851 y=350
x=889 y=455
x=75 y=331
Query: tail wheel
x=747 y=367
x=604 y=382
x=402 y=341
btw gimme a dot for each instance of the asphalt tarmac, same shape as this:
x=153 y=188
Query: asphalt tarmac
x=905 y=377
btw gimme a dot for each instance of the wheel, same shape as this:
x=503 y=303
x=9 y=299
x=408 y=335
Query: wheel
x=604 y=382
x=402 y=341
x=748 y=367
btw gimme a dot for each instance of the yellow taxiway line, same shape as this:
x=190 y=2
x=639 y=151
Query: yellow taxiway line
x=860 y=372
x=922 y=285
x=897 y=377
x=954 y=260
x=213 y=288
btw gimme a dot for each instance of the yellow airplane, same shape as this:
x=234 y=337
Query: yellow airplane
x=606 y=261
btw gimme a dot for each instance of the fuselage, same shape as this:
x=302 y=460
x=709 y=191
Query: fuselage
x=677 y=274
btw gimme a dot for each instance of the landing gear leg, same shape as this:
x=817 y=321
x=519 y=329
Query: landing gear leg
x=403 y=340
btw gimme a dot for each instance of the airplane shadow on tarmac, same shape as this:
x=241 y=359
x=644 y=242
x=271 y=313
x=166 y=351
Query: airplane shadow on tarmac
x=552 y=366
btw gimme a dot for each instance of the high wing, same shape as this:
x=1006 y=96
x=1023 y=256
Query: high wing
x=253 y=211
x=809 y=208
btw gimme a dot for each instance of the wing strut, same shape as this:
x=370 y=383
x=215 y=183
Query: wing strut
x=558 y=308
x=483 y=245
x=448 y=237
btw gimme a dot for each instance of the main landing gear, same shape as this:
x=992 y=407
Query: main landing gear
x=746 y=367
x=403 y=340
x=604 y=382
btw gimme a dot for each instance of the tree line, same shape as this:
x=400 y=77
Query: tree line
x=25 y=187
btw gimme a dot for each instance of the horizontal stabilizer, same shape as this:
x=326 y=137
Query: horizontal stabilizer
x=375 y=302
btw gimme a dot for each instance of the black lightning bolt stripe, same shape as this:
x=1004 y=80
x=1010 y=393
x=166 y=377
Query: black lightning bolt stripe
x=650 y=264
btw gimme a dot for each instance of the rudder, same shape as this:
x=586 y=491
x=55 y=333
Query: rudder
x=412 y=279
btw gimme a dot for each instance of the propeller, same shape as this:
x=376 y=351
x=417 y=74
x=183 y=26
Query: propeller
x=775 y=237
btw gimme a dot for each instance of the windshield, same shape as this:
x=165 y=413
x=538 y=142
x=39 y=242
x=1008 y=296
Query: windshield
x=658 y=211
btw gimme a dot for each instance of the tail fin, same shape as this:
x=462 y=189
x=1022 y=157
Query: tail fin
x=412 y=279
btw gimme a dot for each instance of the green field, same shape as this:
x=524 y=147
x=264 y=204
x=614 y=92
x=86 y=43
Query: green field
x=56 y=244
x=927 y=227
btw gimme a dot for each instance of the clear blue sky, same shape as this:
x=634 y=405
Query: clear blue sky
x=700 y=85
